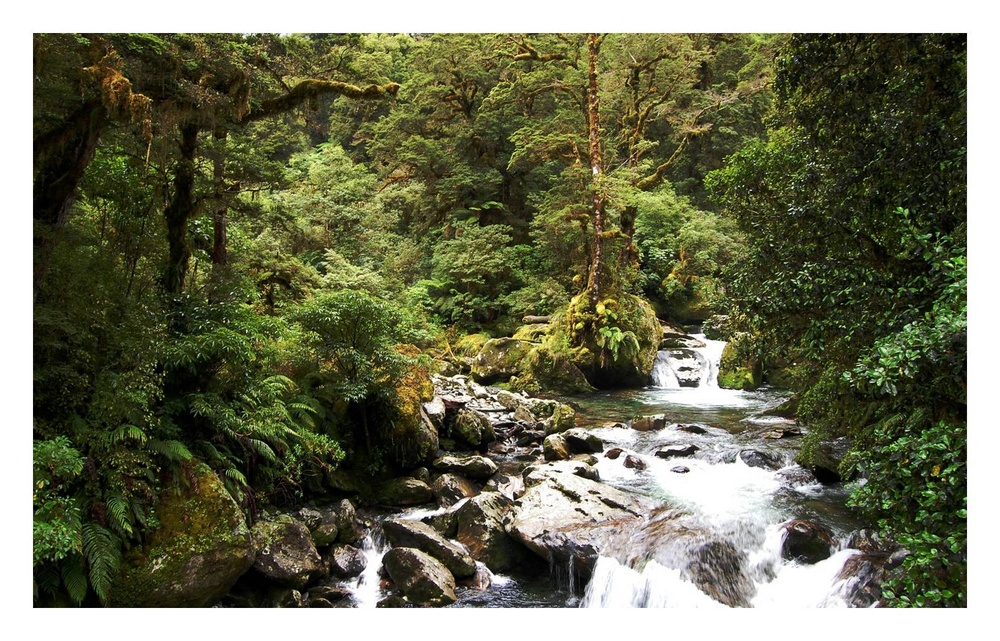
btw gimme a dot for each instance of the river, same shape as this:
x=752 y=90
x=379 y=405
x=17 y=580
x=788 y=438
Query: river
x=726 y=504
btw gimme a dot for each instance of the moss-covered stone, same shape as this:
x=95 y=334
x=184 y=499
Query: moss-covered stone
x=532 y=333
x=548 y=370
x=285 y=552
x=563 y=418
x=473 y=428
x=739 y=368
x=201 y=548
x=499 y=359
x=614 y=344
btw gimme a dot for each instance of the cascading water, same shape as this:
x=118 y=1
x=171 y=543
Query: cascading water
x=367 y=590
x=718 y=538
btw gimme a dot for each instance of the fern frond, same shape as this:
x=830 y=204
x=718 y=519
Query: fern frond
x=128 y=432
x=74 y=577
x=118 y=509
x=263 y=449
x=235 y=475
x=102 y=550
x=173 y=451
x=47 y=579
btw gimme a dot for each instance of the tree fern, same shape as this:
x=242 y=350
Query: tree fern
x=119 y=515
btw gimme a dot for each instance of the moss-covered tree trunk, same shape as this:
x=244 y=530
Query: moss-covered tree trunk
x=180 y=210
x=594 y=136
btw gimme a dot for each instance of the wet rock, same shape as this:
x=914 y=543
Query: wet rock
x=393 y=601
x=863 y=575
x=405 y=491
x=414 y=534
x=688 y=365
x=634 y=462
x=677 y=451
x=563 y=418
x=555 y=448
x=690 y=428
x=756 y=458
x=565 y=519
x=473 y=467
x=424 y=580
x=806 y=542
x=795 y=476
x=330 y=593
x=680 y=469
x=614 y=453
x=824 y=459
x=482 y=527
x=649 y=423
x=329 y=524
x=435 y=411
x=499 y=359
x=286 y=553
x=449 y=489
x=346 y=561
x=720 y=570
x=581 y=441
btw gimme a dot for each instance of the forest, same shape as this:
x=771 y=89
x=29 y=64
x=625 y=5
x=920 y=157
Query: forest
x=256 y=257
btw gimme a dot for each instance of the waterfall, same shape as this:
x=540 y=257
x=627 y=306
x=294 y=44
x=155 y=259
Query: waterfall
x=712 y=352
x=367 y=590
x=663 y=375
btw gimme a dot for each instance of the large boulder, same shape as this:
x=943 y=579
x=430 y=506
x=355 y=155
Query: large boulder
x=499 y=359
x=688 y=364
x=823 y=458
x=473 y=467
x=329 y=524
x=555 y=448
x=449 y=489
x=405 y=491
x=609 y=363
x=473 y=428
x=549 y=370
x=200 y=550
x=346 y=561
x=582 y=441
x=407 y=533
x=285 y=552
x=806 y=542
x=423 y=579
x=482 y=528
x=566 y=519
x=740 y=366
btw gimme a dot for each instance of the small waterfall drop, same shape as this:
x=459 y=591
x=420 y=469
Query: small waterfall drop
x=663 y=374
x=367 y=590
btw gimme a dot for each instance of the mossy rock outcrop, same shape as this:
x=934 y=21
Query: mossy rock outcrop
x=201 y=548
x=548 y=370
x=613 y=345
x=499 y=359
x=286 y=554
x=739 y=368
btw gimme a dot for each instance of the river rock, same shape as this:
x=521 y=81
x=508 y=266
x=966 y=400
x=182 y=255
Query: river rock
x=756 y=458
x=346 y=561
x=473 y=467
x=680 y=341
x=473 y=428
x=449 y=489
x=563 y=418
x=676 y=451
x=423 y=579
x=614 y=453
x=435 y=411
x=649 y=423
x=739 y=368
x=824 y=459
x=688 y=365
x=285 y=552
x=482 y=527
x=329 y=524
x=555 y=448
x=414 y=534
x=565 y=519
x=806 y=542
x=582 y=441
x=680 y=469
x=690 y=428
x=200 y=550
x=634 y=462
x=405 y=491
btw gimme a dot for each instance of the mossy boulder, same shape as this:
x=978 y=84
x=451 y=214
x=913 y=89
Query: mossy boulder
x=549 y=370
x=201 y=548
x=423 y=579
x=473 y=428
x=532 y=333
x=412 y=435
x=286 y=553
x=739 y=367
x=613 y=343
x=405 y=491
x=499 y=359
x=718 y=328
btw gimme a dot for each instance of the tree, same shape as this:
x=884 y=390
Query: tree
x=855 y=217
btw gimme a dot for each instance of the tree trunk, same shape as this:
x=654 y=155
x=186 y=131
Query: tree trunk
x=594 y=131
x=179 y=211
x=219 y=252
x=61 y=158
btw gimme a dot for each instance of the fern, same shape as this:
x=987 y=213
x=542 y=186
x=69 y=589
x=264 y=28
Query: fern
x=74 y=577
x=118 y=510
x=128 y=432
x=102 y=550
x=173 y=451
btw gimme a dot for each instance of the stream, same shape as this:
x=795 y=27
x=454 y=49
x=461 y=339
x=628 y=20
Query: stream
x=724 y=506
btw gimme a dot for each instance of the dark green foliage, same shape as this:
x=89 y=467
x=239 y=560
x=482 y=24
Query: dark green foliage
x=854 y=213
